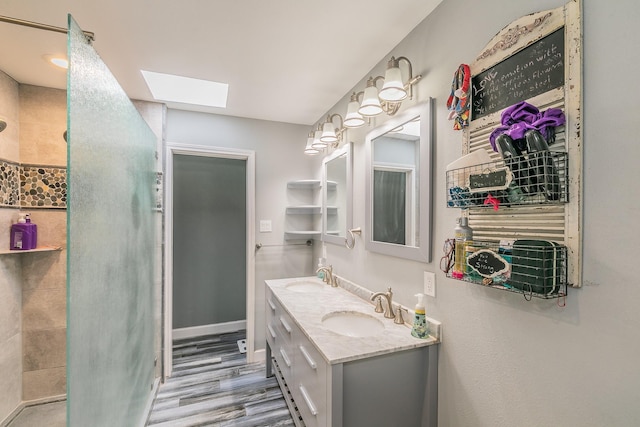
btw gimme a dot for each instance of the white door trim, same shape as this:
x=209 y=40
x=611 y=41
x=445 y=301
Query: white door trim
x=220 y=152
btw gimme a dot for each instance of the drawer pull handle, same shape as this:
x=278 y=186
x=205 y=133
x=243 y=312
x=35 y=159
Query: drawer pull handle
x=272 y=305
x=272 y=332
x=285 y=358
x=308 y=401
x=285 y=325
x=308 y=357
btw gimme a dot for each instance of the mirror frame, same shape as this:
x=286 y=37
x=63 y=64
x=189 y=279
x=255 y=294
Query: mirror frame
x=346 y=150
x=420 y=253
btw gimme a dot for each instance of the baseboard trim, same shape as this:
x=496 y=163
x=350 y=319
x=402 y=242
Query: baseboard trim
x=218 y=328
x=260 y=355
x=149 y=405
x=26 y=403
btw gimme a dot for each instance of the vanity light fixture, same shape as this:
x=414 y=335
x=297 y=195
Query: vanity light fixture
x=371 y=103
x=393 y=91
x=317 y=143
x=309 y=148
x=332 y=135
x=393 y=88
x=353 y=119
x=389 y=100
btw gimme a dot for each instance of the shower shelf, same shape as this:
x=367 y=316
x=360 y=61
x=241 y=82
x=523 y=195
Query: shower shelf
x=38 y=249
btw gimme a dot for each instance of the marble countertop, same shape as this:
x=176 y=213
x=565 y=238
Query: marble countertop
x=308 y=309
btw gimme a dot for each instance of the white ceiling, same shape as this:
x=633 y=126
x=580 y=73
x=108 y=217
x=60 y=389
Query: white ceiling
x=284 y=60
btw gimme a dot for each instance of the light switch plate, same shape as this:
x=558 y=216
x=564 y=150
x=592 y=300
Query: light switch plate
x=265 y=226
x=430 y=283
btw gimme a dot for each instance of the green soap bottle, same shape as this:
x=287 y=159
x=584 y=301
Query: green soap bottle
x=420 y=329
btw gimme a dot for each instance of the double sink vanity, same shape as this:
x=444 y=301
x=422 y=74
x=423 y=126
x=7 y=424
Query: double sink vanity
x=341 y=364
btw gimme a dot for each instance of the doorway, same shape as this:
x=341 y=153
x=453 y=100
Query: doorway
x=209 y=262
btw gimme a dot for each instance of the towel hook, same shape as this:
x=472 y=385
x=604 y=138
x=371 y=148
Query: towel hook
x=352 y=232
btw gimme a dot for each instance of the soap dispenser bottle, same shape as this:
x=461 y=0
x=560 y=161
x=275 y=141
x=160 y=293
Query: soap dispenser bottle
x=24 y=234
x=419 y=329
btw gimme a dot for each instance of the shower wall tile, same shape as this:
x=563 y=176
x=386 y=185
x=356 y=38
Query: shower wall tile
x=44 y=349
x=9 y=110
x=44 y=309
x=44 y=383
x=11 y=369
x=43 y=143
x=10 y=298
x=44 y=270
x=43 y=121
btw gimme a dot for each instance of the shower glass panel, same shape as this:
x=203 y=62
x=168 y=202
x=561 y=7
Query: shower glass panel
x=111 y=243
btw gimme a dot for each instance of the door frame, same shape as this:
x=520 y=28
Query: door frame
x=167 y=310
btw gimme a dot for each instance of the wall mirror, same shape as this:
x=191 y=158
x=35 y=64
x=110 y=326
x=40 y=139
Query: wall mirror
x=337 y=185
x=398 y=185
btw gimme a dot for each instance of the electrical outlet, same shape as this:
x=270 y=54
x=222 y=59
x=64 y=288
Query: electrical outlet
x=265 y=226
x=430 y=283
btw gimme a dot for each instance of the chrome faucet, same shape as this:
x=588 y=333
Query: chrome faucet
x=388 y=311
x=328 y=278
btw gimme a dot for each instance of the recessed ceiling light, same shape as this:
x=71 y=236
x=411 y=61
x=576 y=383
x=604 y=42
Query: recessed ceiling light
x=186 y=90
x=57 y=60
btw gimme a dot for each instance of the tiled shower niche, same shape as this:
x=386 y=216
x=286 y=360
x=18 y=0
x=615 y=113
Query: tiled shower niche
x=32 y=186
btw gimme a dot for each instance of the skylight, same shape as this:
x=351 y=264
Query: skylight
x=186 y=90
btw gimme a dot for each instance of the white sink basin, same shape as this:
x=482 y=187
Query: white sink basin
x=305 y=286
x=352 y=324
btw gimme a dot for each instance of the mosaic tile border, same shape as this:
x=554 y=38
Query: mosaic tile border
x=9 y=183
x=32 y=186
x=43 y=187
x=38 y=186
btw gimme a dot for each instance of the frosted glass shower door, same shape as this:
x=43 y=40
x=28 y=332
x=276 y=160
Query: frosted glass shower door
x=111 y=243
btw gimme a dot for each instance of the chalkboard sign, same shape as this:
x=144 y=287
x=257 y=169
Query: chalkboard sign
x=498 y=179
x=536 y=69
x=487 y=263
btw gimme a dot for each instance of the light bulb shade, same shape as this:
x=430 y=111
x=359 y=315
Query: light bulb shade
x=370 y=103
x=328 y=133
x=317 y=143
x=393 y=88
x=353 y=119
x=309 y=148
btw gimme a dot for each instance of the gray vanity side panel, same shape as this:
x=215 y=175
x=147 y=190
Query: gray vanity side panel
x=391 y=390
x=335 y=394
x=430 y=404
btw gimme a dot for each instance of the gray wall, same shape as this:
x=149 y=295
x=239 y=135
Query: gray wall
x=279 y=158
x=505 y=361
x=209 y=240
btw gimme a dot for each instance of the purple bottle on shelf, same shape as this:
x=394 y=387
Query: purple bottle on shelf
x=24 y=234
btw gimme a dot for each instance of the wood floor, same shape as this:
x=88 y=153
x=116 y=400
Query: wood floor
x=212 y=385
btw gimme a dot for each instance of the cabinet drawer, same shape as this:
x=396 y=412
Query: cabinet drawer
x=285 y=361
x=311 y=381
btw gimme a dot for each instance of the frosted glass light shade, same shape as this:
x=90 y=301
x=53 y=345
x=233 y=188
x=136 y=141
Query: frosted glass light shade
x=317 y=143
x=370 y=103
x=353 y=119
x=328 y=133
x=309 y=147
x=393 y=88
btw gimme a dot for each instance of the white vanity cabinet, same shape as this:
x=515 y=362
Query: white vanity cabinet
x=397 y=388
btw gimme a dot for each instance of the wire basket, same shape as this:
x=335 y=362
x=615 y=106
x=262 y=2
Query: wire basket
x=536 y=178
x=535 y=268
